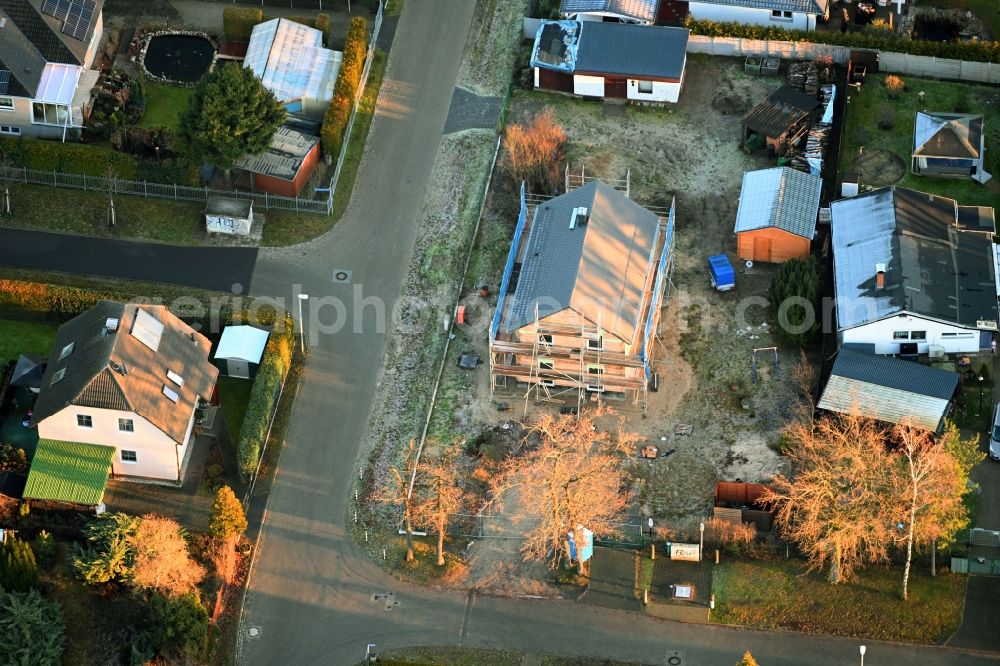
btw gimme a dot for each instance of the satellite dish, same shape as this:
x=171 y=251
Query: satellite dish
x=749 y=263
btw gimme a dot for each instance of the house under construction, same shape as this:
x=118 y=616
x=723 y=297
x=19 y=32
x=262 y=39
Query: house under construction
x=581 y=297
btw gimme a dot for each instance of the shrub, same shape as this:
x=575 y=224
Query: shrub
x=886 y=117
x=59 y=302
x=879 y=25
x=238 y=23
x=533 y=153
x=32 y=632
x=179 y=624
x=18 y=569
x=228 y=519
x=973 y=51
x=345 y=90
x=322 y=23
x=271 y=374
x=893 y=85
x=45 y=548
x=12 y=459
x=793 y=292
x=78 y=158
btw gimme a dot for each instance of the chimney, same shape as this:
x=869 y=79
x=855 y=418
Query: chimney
x=880 y=276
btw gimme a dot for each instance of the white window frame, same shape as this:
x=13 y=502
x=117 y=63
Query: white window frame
x=135 y=456
x=56 y=109
x=900 y=335
x=781 y=15
x=545 y=338
x=10 y=130
x=85 y=421
x=920 y=336
x=643 y=85
x=599 y=340
x=6 y=103
x=56 y=378
x=595 y=369
x=129 y=425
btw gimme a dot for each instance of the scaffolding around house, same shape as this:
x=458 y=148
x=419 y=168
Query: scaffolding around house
x=561 y=359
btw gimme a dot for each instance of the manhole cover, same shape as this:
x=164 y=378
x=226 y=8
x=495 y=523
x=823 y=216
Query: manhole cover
x=341 y=277
x=675 y=659
x=253 y=632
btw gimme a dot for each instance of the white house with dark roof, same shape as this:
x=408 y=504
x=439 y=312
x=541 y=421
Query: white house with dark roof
x=581 y=296
x=622 y=11
x=601 y=60
x=909 y=278
x=788 y=14
x=128 y=377
x=46 y=50
x=950 y=145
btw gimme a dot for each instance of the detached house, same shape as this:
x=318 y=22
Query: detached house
x=949 y=144
x=787 y=14
x=46 y=50
x=910 y=277
x=126 y=378
x=581 y=297
x=601 y=60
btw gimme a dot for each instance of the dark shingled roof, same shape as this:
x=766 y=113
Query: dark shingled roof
x=642 y=10
x=635 y=51
x=781 y=111
x=597 y=269
x=889 y=389
x=93 y=375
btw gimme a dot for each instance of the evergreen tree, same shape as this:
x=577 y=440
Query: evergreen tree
x=110 y=554
x=794 y=293
x=18 y=570
x=32 y=632
x=228 y=519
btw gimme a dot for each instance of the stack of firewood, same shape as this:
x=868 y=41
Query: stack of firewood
x=804 y=76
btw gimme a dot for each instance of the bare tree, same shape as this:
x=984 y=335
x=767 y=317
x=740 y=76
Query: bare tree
x=839 y=506
x=573 y=478
x=439 y=495
x=933 y=478
x=162 y=560
x=398 y=492
x=533 y=152
x=111 y=183
x=5 y=173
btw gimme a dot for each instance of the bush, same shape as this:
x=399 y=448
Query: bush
x=18 y=569
x=533 y=153
x=238 y=23
x=880 y=40
x=179 y=624
x=228 y=519
x=345 y=90
x=274 y=366
x=61 y=303
x=886 y=117
x=12 y=459
x=893 y=85
x=32 y=632
x=78 y=158
x=793 y=292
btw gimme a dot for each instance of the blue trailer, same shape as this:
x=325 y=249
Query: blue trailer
x=723 y=275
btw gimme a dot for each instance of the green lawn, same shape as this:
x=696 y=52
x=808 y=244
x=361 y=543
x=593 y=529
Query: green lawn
x=973 y=410
x=164 y=105
x=234 y=394
x=780 y=595
x=20 y=337
x=872 y=103
x=85 y=212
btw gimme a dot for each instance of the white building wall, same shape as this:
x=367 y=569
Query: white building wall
x=95 y=43
x=156 y=453
x=954 y=339
x=706 y=11
x=588 y=86
x=662 y=92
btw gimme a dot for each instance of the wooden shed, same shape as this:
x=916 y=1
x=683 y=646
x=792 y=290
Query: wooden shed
x=780 y=121
x=776 y=219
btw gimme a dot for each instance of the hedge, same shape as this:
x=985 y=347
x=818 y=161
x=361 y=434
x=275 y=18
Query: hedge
x=879 y=40
x=271 y=373
x=79 y=158
x=344 y=91
x=238 y=22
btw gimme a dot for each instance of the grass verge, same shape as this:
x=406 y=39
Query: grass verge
x=85 y=212
x=234 y=394
x=21 y=337
x=393 y=7
x=781 y=595
x=164 y=105
x=873 y=106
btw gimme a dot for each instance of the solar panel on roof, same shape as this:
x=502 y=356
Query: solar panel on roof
x=4 y=81
x=58 y=9
x=77 y=17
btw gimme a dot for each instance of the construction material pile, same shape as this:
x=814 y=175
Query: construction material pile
x=810 y=160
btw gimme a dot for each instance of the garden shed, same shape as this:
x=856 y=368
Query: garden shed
x=225 y=215
x=240 y=351
x=949 y=144
x=781 y=120
x=776 y=219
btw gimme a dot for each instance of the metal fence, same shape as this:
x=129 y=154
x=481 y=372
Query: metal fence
x=145 y=188
x=357 y=99
x=900 y=63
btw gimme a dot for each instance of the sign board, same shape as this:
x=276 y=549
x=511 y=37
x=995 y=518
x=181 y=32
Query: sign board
x=986 y=324
x=685 y=551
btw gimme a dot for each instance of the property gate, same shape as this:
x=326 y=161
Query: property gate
x=984 y=566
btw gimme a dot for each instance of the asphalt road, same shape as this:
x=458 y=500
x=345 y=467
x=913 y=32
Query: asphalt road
x=216 y=268
x=311 y=593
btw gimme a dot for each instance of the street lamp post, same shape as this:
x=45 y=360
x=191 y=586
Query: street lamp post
x=701 y=540
x=980 y=396
x=863 y=650
x=302 y=328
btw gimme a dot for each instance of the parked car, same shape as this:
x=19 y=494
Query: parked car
x=995 y=435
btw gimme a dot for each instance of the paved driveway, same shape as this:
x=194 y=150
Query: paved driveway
x=215 y=268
